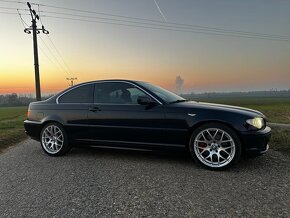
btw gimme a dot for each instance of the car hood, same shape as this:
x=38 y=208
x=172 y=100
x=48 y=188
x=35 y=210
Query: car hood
x=220 y=107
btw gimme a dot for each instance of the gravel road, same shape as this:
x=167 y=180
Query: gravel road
x=96 y=182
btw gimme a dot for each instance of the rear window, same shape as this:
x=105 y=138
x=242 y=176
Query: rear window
x=82 y=94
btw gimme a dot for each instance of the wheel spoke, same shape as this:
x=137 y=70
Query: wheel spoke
x=215 y=134
x=57 y=131
x=229 y=140
x=227 y=147
x=211 y=158
x=203 y=151
x=222 y=136
x=47 y=132
x=204 y=137
x=54 y=130
x=220 y=156
x=50 y=130
x=225 y=151
x=209 y=134
x=201 y=147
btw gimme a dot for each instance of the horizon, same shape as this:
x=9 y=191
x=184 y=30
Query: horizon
x=206 y=62
x=183 y=93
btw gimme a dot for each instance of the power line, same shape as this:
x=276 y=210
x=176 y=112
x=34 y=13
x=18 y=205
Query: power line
x=35 y=30
x=5 y=12
x=59 y=69
x=154 y=21
x=22 y=21
x=19 y=2
x=151 y=20
x=7 y=8
x=39 y=14
x=68 y=68
x=173 y=26
x=173 y=29
x=60 y=66
x=55 y=58
x=163 y=25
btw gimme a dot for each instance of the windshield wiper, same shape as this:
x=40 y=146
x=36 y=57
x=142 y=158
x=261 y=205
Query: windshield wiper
x=177 y=101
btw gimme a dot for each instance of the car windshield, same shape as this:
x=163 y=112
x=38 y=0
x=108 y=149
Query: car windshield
x=164 y=94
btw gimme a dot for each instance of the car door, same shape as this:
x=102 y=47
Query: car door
x=72 y=109
x=116 y=116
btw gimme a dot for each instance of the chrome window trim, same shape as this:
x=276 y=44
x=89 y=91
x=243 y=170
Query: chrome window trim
x=89 y=83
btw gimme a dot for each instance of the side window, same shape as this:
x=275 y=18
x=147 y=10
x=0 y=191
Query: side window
x=116 y=93
x=135 y=93
x=82 y=94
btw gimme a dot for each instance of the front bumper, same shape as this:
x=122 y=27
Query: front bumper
x=33 y=129
x=256 y=142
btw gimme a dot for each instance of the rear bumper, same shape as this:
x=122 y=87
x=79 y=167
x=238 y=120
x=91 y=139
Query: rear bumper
x=256 y=142
x=33 y=129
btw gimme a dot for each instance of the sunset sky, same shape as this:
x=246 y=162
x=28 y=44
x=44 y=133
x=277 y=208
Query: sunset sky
x=93 y=51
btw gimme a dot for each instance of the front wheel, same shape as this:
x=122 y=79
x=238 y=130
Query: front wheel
x=54 y=140
x=215 y=146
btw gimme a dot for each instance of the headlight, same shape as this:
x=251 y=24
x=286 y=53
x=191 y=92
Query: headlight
x=257 y=122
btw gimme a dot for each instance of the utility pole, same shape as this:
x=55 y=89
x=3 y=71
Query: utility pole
x=35 y=31
x=71 y=80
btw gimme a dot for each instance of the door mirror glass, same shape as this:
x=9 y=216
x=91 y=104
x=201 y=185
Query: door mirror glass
x=145 y=100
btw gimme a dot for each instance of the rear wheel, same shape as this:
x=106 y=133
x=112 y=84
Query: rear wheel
x=215 y=146
x=54 y=140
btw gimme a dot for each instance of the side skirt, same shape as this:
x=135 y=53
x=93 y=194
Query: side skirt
x=129 y=144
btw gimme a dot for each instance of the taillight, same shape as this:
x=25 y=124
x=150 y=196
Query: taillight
x=28 y=114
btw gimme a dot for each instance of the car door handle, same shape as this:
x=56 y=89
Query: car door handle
x=94 y=109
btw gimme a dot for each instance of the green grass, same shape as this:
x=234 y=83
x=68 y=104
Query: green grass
x=280 y=139
x=277 y=110
x=11 y=126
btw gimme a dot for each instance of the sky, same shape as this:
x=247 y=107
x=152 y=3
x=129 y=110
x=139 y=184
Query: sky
x=93 y=51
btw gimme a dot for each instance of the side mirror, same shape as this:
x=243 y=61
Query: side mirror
x=145 y=100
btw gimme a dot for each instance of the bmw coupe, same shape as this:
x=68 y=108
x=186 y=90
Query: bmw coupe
x=134 y=114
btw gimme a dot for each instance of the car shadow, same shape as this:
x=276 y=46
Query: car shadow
x=179 y=157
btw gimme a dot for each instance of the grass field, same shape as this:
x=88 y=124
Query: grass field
x=280 y=139
x=276 y=109
x=11 y=125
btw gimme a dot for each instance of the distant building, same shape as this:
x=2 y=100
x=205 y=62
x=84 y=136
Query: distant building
x=178 y=84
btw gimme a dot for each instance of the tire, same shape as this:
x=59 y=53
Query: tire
x=54 y=140
x=215 y=146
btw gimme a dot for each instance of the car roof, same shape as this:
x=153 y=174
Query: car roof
x=96 y=81
x=111 y=80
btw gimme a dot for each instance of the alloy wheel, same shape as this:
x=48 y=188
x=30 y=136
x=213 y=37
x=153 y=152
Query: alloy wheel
x=214 y=147
x=52 y=139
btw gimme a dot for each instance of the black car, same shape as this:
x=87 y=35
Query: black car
x=134 y=114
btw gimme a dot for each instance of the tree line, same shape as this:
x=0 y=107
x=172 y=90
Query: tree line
x=17 y=100
x=249 y=94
